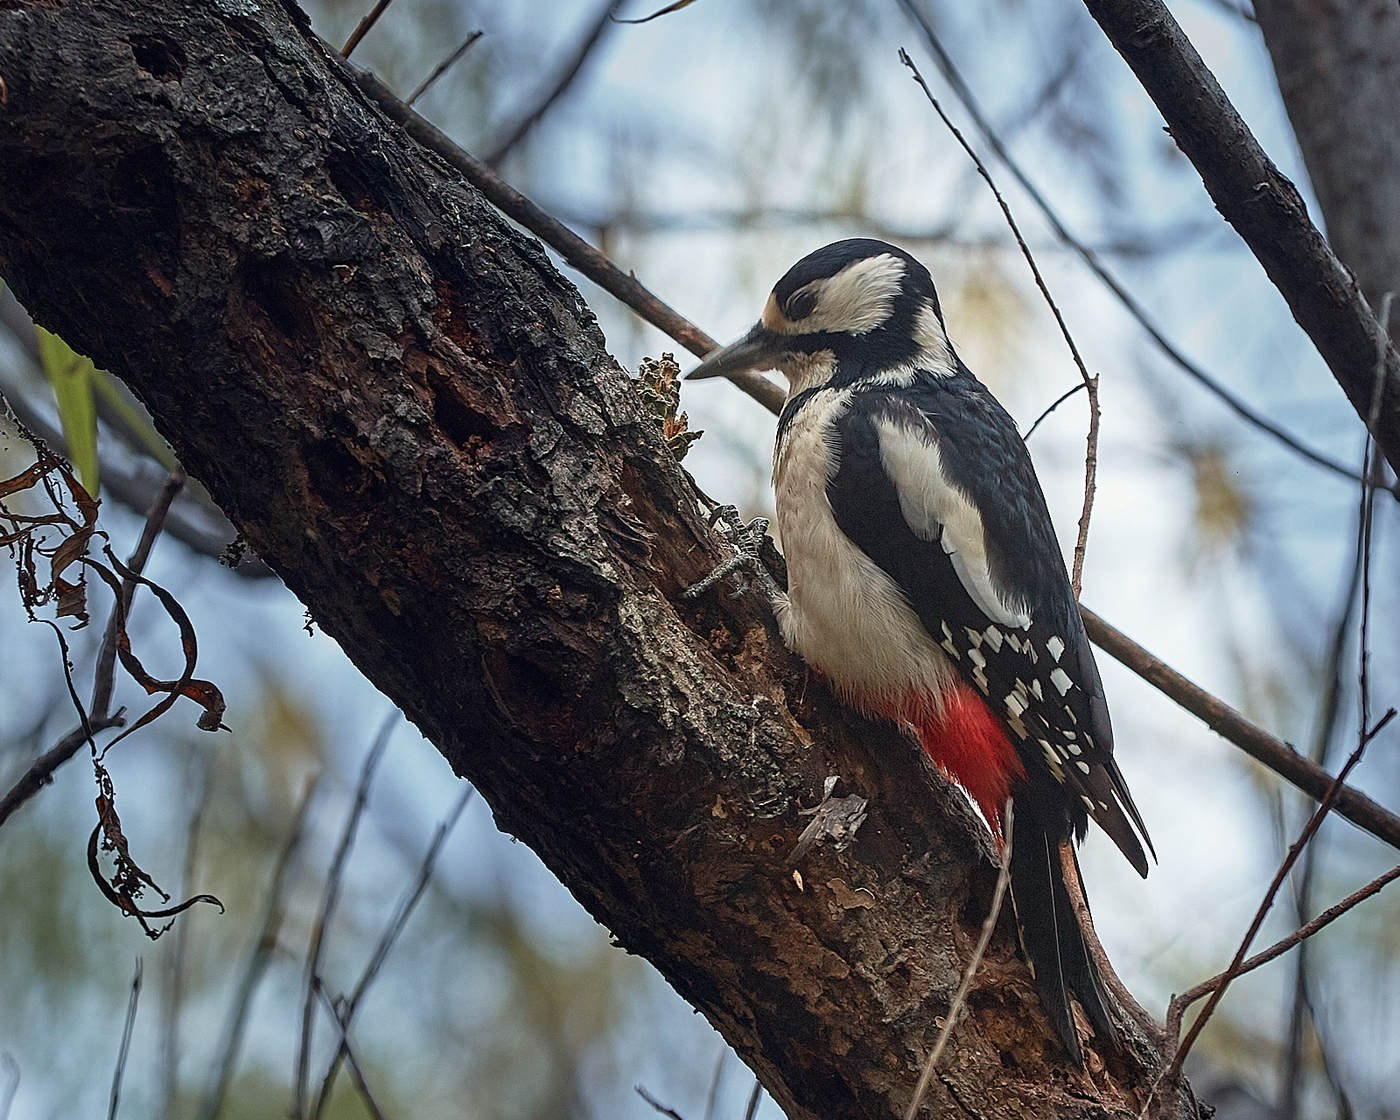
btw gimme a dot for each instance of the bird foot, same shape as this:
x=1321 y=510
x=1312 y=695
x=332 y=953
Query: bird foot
x=746 y=566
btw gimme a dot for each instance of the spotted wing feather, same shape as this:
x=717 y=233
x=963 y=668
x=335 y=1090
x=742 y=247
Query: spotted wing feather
x=975 y=555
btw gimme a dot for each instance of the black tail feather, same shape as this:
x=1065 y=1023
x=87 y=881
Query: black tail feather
x=1050 y=934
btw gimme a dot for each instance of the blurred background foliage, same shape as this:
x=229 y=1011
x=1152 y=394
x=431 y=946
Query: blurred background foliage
x=706 y=151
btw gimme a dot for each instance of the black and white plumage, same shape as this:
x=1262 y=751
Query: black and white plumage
x=925 y=580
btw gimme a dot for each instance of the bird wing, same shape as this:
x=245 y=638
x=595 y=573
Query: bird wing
x=976 y=557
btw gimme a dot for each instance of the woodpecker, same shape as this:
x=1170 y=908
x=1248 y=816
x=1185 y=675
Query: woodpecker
x=925 y=582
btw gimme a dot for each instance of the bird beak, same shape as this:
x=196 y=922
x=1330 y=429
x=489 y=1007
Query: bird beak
x=759 y=349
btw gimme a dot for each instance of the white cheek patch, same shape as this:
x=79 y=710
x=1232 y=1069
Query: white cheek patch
x=854 y=301
x=937 y=510
x=859 y=297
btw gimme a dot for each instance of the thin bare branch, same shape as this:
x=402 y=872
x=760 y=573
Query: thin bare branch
x=568 y=74
x=1240 y=11
x=1091 y=383
x=959 y=1001
x=1294 y=851
x=41 y=772
x=757 y=1095
x=1278 y=948
x=103 y=676
x=1176 y=239
x=1130 y=304
x=263 y=945
x=656 y=1105
x=712 y=1098
x=390 y=937
x=1053 y=405
x=114 y=1098
x=676 y=6
x=443 y=67
x=364 y=27
x=98 y=718
x=357 y=1074
x=335 y=878
x=200 y=775
x=1230 y=725
x=1301 y=1011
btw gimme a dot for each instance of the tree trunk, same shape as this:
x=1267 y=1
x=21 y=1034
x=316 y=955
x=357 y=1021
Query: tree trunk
x=1338 y=68
x=413 y=419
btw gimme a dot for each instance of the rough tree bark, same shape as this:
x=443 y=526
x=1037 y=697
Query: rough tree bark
x=1338 y=67
x=413 y=419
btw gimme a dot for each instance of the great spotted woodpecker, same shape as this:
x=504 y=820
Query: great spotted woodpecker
x=925 y=582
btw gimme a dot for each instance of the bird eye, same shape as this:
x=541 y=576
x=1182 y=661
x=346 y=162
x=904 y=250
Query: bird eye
x=801 y=304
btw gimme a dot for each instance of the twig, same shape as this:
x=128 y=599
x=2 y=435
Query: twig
x=602 y=23
x=1372 y=469
x=627 y=217
x=559 y=237
x=258 y=959
x=98 y=718
x=363 y=27
x=713 y=1097
x=641 y=1091
x=1294 y=851
x=1053 y=405
x=443 y=67
x=357 y=1075
x=390 y=936
x=1301 y=1011
x=757 y=1095
x=103 y=681
x=330 y=896
x=41 y=771
x=1091 y=384
x=114 y=1099
x=1181 y=1003
x=1088 y=256
x=1230 y=725
x=1240 y=11
x=173 y=988
x=955 y=1008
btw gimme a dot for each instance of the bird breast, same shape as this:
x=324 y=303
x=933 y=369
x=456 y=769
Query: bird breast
x=844 y=615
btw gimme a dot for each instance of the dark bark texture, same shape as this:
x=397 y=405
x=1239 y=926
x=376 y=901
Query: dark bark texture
x=1264 y=207
x=1338 y=68
x=414 y=420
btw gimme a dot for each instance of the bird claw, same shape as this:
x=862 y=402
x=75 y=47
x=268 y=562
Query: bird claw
x=746 y=566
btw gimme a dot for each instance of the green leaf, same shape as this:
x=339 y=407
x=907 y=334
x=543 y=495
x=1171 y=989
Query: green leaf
x=72 y=376
x=133 y=420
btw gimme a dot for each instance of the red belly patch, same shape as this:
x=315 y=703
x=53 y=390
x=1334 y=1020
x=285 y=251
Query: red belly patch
x=970 y=745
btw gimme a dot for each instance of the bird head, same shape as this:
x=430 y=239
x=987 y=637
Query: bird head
x=853 y=310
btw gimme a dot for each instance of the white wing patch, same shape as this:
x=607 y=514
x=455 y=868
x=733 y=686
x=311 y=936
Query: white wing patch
x=937 y=510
